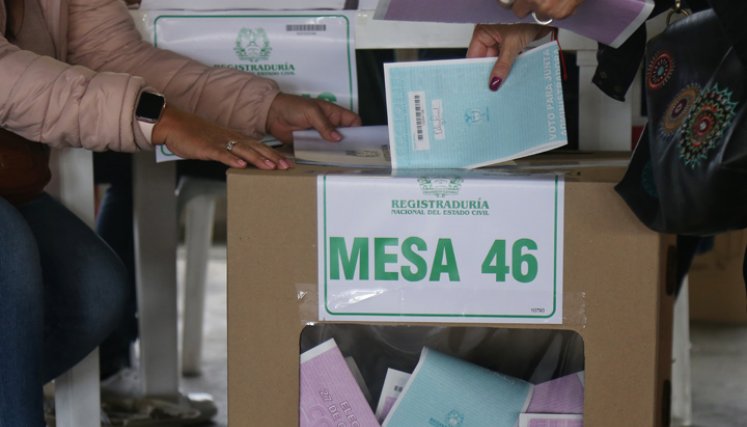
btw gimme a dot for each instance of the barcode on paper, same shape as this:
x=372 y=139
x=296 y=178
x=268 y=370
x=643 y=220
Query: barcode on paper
x=305 y=28
x=418 y=121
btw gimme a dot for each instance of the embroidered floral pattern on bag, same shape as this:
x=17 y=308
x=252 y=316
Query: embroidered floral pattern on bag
x=678 y=110
x=711 y=113
x=660 y=70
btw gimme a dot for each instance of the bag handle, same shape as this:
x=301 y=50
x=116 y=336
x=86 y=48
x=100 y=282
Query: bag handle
x=677 y=9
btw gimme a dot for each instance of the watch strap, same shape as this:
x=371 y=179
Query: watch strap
x=147 y=129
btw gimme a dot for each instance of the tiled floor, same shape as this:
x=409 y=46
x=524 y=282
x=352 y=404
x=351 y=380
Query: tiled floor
x=719 y=361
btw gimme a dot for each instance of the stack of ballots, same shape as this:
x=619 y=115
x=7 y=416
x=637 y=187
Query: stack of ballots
x=443 y=391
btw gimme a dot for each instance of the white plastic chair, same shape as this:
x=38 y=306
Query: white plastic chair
x=197 y=199
x=682 y=412
x=77 y=393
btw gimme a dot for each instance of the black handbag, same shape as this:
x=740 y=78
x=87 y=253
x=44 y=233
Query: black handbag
x=688 y=173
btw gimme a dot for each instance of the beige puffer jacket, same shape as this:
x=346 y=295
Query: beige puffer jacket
x=86 y=96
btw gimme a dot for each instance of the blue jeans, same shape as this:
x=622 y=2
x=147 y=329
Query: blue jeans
x=62 y=291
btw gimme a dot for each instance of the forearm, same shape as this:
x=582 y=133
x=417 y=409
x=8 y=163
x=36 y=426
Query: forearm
x=49 y=101
x=227 y=97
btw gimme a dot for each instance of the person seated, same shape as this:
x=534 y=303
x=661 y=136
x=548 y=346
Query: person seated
x=77 y=74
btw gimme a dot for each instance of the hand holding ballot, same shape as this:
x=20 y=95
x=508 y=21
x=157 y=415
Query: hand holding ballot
x=442 y=116
x=505 y=42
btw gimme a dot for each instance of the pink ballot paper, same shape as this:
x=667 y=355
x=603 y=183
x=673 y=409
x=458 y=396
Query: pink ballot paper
x=329 y=393
x=551 y=420
x=608 y=21
x=564 y=395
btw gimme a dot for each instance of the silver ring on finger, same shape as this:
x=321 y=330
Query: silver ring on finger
x=541 y=21
x=230 y=144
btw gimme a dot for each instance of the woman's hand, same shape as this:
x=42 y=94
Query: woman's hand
x=192 y=137
x=505 y=41
x=290 y=112
x=546 y=9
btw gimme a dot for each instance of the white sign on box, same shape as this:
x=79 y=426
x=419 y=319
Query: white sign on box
x=455 y=249
x=309 y=53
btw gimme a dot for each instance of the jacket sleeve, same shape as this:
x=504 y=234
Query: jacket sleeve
x=49 y=101
x=231 y=98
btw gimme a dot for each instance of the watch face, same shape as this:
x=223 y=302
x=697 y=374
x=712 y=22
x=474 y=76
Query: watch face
x=149 y=106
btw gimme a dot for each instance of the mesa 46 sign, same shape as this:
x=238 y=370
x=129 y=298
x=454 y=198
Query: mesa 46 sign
x=441 y=248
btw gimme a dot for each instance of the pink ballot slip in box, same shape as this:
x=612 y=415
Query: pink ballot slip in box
x=551 y=420
x=330 y=394
x=564 y=395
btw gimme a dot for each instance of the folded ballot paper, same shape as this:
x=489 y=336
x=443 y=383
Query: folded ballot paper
x=608 y=21
x=362 y=147
x=330 y=394
x=445 y=391
x=394 y=383
x=443 y=115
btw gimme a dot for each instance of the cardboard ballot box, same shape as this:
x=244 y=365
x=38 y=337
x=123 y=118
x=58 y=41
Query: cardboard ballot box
x=612 y=289
x=717 y=292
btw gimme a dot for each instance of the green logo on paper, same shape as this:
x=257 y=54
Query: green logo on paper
x=166 y=152
x=474 y=116
x=252 y=45
x=440 y=187
x=453 y=419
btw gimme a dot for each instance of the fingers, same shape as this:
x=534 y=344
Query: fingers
x=485 y=41
x=289 y=113
x=503 y=41
x=243 y=152
x=350 y=119
x=502 y=67
x=191 y=137
x=341 y=117
x=328 y=116
x=319 y=120
x=257 y=154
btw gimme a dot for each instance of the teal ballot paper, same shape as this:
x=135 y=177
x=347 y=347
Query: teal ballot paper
x=443 y=115
x=444 y=391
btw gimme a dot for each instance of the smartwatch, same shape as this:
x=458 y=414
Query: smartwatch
x=149 y=109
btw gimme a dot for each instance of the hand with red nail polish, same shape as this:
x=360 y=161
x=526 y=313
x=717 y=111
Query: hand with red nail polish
x=506 y=41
